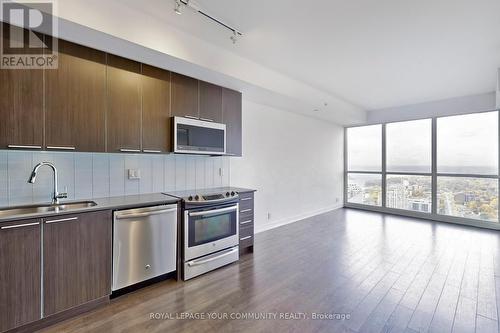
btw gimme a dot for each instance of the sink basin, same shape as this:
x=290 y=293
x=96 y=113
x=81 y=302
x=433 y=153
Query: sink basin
x=40 y=209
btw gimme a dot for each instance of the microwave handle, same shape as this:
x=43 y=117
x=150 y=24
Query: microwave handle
x=215 y=211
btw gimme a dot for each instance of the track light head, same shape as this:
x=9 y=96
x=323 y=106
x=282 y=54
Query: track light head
x=178 y=7
x=234 y=37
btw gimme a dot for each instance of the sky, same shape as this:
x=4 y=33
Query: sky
x=465 y=144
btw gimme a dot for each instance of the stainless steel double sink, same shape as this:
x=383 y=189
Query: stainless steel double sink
x=45 y=208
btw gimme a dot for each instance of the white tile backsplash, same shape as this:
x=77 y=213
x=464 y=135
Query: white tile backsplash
x=94 y=175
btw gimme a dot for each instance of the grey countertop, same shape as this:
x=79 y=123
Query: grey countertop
x=123 y=202
x=110 y=203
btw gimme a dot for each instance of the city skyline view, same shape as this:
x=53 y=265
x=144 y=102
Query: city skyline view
x=467 y=145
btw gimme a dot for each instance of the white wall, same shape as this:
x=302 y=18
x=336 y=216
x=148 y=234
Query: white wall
x=294 y=162
x=445 y=107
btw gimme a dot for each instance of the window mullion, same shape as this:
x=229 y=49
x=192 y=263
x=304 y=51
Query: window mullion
x=384 y=166
x=434 y=167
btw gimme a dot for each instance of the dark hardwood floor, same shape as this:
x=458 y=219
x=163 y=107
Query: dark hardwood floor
x=386 y=273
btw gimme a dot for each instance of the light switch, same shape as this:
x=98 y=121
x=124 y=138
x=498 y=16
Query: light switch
x=134 y=174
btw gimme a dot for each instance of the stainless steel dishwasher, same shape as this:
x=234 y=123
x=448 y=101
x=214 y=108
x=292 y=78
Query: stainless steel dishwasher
x=144 y=244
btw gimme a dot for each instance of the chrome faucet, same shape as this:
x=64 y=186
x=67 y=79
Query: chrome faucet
x=57 y=195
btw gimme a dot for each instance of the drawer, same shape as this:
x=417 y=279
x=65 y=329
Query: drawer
x=246 y=204
x=246 y=221
x=246 y=216
x=246 y=237
x=247 y=196
x=246 y=211
x=246 y=231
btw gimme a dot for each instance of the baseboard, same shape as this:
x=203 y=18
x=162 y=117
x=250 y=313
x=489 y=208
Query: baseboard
x=296 y=218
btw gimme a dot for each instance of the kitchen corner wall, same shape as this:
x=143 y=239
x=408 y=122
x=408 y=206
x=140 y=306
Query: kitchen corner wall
x=294 y=162
x=94 y=175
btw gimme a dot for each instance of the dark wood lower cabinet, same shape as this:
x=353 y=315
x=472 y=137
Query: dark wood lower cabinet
x=246 y=227
x=20 y=288
x=77 y=260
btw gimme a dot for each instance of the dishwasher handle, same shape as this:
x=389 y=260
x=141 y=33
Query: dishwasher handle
x=123 y=216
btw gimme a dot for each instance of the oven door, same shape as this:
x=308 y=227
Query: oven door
x=192 y=136
x=210 y=230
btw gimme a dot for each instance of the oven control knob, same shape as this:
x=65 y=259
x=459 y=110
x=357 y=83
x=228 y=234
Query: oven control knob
x=197 y=197
x=190 y=198
x=227 y=194
x=232 y=194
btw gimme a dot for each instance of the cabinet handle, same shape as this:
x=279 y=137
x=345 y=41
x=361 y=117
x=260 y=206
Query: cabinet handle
x=245 y=238
x=60 y=148
x=62 y=220
x=245 y=199
x=206 y=119
x=246 y=222
x=151 y=151
x=245 y=210
x=24 y=147
x=20 y=225
x=191 y=117
x=125 y=150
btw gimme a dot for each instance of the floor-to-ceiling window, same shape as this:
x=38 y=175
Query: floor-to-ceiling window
x=467 y=166
x=364 y=179
x=446 y=168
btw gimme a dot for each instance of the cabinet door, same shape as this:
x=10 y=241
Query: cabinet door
x=156 y=124
x=76 y=260
x=184 y=96
x=19 y=273
x=21 y=104
x=210 y=102
x=231 y=116
x=124 y=104
x=75 y=97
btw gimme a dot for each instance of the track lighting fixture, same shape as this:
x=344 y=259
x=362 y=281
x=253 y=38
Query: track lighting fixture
x=179 y=7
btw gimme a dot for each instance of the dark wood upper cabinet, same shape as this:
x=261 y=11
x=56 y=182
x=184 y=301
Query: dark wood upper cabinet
x=232 y=117
x=156 y=123
x=76 y=260
x=75 y=99
x=210 y=102
x=19 y=273
x=124 y=104
x=185 y=99
x=21 y=104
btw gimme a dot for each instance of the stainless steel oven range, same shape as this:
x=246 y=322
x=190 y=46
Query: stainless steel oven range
x=210 y=231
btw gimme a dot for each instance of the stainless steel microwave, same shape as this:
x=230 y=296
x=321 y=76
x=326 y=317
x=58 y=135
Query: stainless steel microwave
x=193 y=136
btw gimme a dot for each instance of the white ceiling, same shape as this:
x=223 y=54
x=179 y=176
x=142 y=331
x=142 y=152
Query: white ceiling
x=374 y=54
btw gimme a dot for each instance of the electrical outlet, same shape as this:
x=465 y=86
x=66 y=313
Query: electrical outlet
x=134 y=174
x=221 y=172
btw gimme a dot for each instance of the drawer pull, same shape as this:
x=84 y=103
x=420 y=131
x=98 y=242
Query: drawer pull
x=125 y=150
x=62 y=220
x=246 y=222
x=191 y=117
x=206 y=119
x=245 y=210
x=151 y=151
x=19 y=226
x=60 y=148
x=245 y=238
x=246 y=199
x=24 y=147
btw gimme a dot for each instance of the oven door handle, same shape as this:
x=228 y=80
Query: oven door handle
x=215 y=211
x=204 y=261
